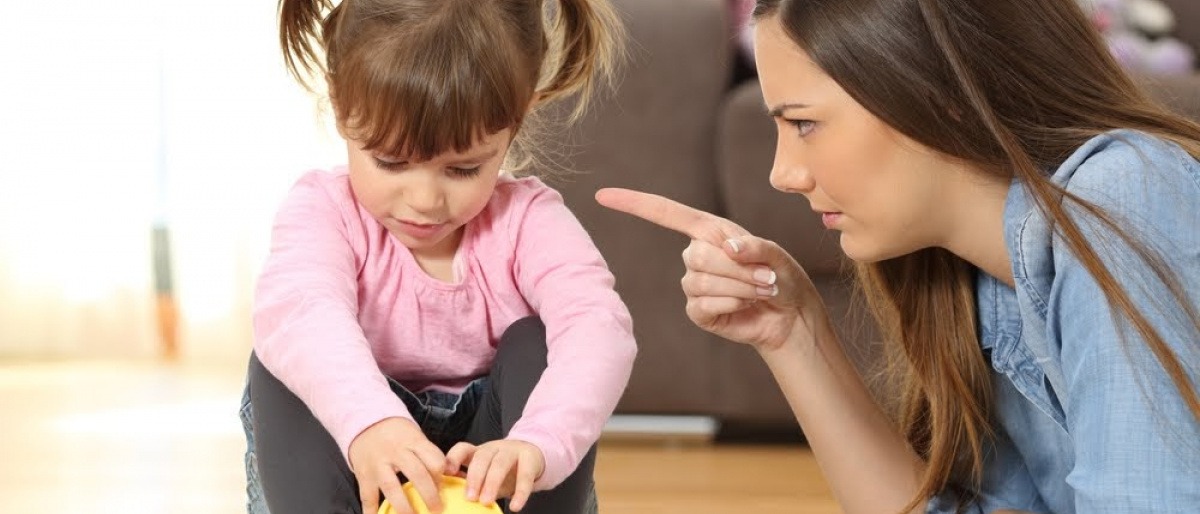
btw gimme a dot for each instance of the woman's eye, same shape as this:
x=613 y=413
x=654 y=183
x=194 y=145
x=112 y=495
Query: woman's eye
x=803 y=126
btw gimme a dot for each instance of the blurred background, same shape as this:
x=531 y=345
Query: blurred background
x=144 y=148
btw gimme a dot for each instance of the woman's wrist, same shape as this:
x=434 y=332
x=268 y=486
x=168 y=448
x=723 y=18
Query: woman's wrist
x=802 y=339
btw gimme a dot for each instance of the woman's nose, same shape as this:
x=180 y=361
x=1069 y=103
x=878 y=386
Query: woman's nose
x=789 y=172
x=791 y=177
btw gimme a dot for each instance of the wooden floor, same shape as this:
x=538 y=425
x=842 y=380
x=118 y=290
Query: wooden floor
x=134 y=438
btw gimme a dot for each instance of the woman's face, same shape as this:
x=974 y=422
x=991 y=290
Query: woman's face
x=885 y=193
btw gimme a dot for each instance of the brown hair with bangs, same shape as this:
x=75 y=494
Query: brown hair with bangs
x=418 y=78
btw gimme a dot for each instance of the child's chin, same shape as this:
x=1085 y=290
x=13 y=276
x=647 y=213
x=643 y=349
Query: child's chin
x=424 y=243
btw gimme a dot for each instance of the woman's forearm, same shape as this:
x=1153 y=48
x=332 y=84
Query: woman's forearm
x=869 y=465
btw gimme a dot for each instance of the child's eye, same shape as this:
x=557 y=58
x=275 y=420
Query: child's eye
x=389 y=165
x=464 y=172
x=803 y=126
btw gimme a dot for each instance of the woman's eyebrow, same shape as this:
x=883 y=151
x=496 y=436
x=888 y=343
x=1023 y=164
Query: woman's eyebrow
x=778 y=110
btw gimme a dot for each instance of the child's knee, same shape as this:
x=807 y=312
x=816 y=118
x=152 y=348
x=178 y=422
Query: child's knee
x=524 y=341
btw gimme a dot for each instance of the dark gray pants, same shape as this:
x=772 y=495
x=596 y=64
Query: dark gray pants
x=301 y=469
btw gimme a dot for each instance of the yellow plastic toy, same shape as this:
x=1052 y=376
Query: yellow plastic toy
x=454 y=500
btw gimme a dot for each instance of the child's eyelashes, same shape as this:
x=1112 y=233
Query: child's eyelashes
x=454 y=171
x=465 y=172
x=389 y=165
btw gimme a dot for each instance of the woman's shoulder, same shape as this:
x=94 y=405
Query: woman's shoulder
x=1147 y=186
x=1120 y=167
x=1120 y=171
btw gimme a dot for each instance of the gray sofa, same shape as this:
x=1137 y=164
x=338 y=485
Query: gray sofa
x=676 y=127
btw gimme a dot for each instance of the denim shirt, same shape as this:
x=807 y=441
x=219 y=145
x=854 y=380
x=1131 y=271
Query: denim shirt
x=1088 y=421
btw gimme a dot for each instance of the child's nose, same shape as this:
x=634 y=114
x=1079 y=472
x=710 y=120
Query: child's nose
x=425 y=199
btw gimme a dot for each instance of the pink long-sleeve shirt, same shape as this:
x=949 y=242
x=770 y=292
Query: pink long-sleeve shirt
x=340 y=304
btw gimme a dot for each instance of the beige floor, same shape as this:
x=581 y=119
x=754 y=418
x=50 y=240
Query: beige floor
x=134 y=438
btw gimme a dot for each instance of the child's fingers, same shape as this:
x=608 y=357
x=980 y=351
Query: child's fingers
x=498 y=472
x=478 y=469
x=433 y=459
x=390 y=484
x=459 y=456
x=526 y=475
x=369 y=493
x=419 y=476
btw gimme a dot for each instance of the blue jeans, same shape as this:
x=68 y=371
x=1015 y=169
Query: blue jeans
x=443 y=417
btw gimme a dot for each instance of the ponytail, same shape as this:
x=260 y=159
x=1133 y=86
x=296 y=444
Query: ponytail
x=301 y=23
x=588 y=35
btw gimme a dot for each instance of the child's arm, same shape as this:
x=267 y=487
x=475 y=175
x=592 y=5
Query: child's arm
x=306 y=312
x=588 y=331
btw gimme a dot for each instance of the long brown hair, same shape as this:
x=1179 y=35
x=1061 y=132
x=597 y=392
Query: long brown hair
x=1015 y=87
x=417 y=78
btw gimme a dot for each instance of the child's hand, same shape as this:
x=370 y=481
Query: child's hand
x=498 y=469
x=390 y=446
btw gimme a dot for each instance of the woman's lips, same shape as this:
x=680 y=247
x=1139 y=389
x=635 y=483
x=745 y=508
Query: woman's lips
x=831 y=219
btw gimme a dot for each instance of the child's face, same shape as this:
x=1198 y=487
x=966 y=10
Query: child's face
x=425 y=204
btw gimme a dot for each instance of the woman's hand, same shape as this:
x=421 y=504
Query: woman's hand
x=738 y=286
x=498 y=469
x=396 y=445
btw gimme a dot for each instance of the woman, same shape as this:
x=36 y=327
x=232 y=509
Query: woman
x=1026 y=229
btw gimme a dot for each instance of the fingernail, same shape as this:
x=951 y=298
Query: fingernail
x=472 y=494
x=768 y=291
x=734 y=245
x=764 y=276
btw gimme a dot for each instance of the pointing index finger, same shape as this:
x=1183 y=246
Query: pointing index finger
x=659 y=210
